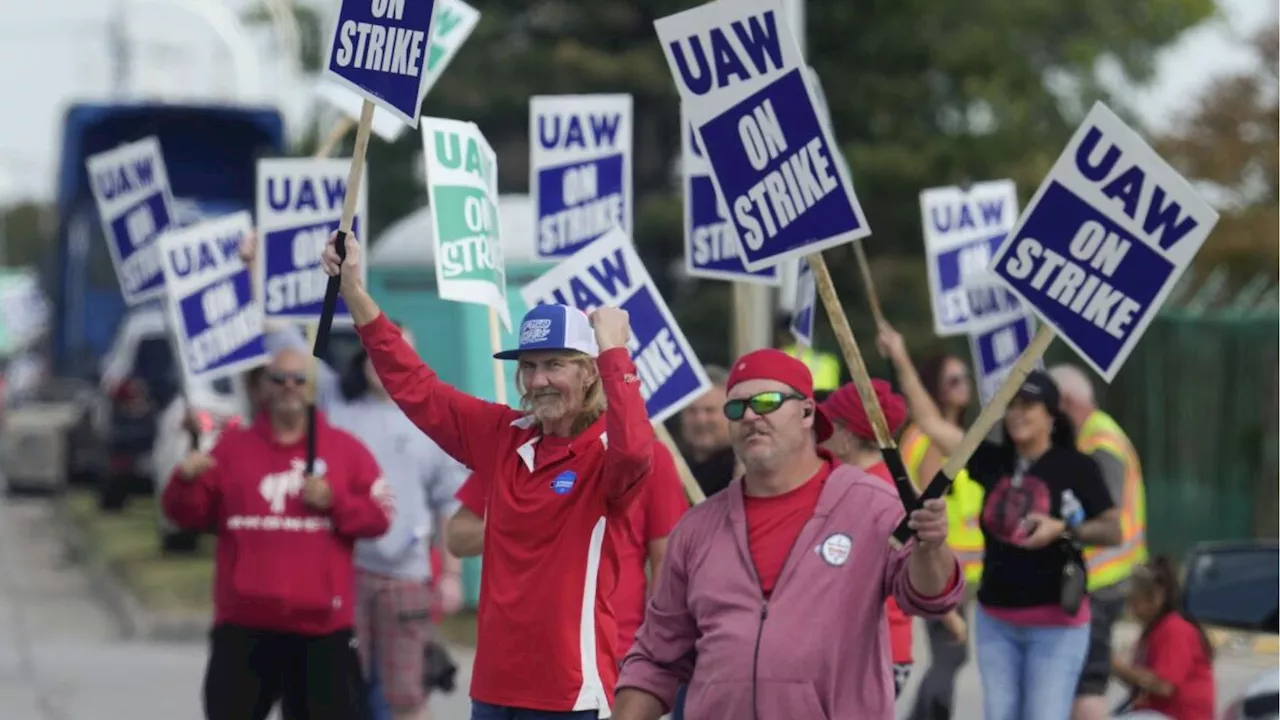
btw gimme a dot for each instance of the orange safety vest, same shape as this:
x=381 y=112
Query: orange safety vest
x=1110 y=565
x=964 y=505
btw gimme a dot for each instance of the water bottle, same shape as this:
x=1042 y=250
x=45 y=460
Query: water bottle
x=1072 y=510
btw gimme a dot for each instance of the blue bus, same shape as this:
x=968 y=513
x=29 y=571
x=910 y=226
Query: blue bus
x=211 y=154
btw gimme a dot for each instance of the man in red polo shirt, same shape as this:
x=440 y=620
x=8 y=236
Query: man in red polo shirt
x=640 y=539
x=561 y=469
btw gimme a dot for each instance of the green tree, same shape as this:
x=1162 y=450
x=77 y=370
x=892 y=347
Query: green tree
x=1230 y=141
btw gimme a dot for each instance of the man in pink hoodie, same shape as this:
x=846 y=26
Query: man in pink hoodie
x=771 y=599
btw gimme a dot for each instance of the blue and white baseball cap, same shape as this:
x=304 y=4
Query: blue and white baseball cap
x=555 y=328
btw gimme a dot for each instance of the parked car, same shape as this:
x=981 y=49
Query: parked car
x=140 y=377
x=1233 y=585
x=218 y=405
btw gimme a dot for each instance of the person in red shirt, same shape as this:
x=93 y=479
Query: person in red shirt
x=560 y=470
x=853 y=442
x=641 y=539
x=1172 y=672
x=284 y=577
x=770 y=603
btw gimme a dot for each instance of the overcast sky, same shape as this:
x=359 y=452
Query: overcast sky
x=59 y=52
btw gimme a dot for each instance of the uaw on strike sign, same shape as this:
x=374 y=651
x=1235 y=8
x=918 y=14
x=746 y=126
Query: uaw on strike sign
x=996 y=349
x=1104 y=240
x=299 y=207
x=462 y=184
x=380 y=50
x=963 y=228
x=450 y=27
x=710 y=242
x=609 y=273
x=131 y=188
x=579 y=169
x=217 y=322
x=743 y=86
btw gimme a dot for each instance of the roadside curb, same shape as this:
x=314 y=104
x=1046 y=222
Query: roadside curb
x=136 y=622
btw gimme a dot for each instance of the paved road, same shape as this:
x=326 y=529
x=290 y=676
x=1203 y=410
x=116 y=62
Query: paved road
x=62 y=656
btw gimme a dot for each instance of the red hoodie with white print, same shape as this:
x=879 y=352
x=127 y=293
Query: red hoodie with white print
x=281 y=565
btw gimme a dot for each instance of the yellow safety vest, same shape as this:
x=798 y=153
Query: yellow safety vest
x=964 y=505
x=824 y=366
x=1110 y=565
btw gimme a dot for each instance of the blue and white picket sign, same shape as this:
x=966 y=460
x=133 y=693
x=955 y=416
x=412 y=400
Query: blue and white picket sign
x=963 y=228
x=380 y=49
x=299 y=206
x=452 y=25
x=743 y=83
x=609 y=273
x=579 y=169
x=996 y=349
x=135 y=202
x=806 y=304
x=710 y=241
x=216 y=321
x=1104 y=240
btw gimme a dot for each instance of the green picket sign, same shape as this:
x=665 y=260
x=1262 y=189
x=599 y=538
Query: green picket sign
x=462 y=183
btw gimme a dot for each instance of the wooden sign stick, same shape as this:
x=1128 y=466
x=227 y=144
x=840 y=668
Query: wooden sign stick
x=978 y=431
x=862 y=381
x=320 y=344
x=691 y=487
x=339 y=131
x=864 y=269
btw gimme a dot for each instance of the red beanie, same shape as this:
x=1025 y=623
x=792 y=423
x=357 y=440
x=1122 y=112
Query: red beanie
x=845 y=407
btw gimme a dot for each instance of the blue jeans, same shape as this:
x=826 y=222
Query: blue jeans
x=1028 y=673
x=378 y=707
x=677 y=712
x=485 y=711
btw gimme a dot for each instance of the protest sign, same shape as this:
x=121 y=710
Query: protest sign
x=1104 y=240
x=743 y=84
x=216 y=321
x=379 y=49
x=462 y=186
x=710 y=241
x=609 y=273
x=135 y=202
x=299 y=206
x=995 y=349
x=963 y=228
x=454 y=20
x=806 y=304
x=579 y=169
x=1095 y=254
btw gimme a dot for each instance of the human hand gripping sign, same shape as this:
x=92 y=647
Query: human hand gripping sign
x=316 y=493
x=345 y=267
x=929 y=522
x=612 y=326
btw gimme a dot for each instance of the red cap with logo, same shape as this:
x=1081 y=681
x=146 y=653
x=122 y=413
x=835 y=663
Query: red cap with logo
x=771 y=364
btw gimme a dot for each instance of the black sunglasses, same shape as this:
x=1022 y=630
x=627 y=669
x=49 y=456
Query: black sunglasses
x=280 y=377
x=760 y=404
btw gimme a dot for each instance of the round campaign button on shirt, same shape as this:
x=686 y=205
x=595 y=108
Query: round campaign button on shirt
x=564 y=482
x=835 y=549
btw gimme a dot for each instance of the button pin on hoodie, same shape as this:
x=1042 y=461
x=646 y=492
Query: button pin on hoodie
x=835 y=550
